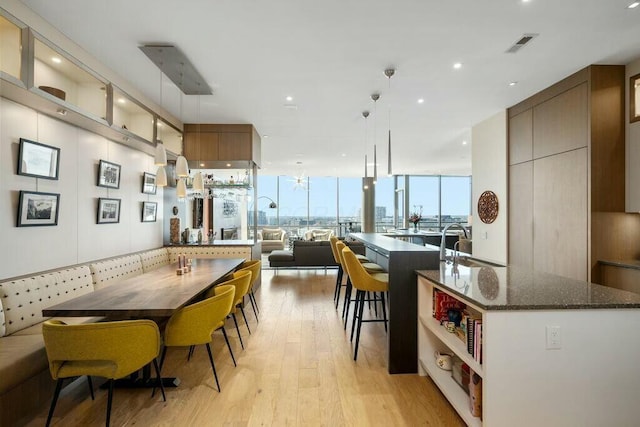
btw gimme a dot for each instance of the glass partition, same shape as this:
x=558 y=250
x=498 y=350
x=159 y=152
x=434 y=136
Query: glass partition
x=385 y=204
x=349 y=205
x=456 y=200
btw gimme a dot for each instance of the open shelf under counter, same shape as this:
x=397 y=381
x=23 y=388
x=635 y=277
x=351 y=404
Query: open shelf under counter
x=458 y=398
x=452 y=342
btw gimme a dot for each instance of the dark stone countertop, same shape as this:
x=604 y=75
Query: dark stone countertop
x=516 y=288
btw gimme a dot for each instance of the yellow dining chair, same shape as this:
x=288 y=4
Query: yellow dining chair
x=241 y=281
x=107 y=349
x=194 y=324
x=364 y=282
x=254 y=266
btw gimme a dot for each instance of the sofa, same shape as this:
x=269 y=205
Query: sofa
x=306 y=253
x=272 y=239
x=25 y=382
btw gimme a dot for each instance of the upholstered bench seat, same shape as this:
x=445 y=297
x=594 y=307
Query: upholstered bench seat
x=281 y=258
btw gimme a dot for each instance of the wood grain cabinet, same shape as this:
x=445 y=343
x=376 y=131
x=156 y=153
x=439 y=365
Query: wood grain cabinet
x=209 y=145
x=566 y=165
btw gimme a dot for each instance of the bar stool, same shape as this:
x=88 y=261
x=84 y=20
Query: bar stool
x=370 y=267
x=364 y=282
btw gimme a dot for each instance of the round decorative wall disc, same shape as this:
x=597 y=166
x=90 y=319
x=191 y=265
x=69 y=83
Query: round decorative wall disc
x=488 y=207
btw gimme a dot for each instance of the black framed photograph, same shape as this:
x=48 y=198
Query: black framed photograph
x=38 y=160
x=149 y=211
x=37 y=209
x=108 y=174
x=108 y=211
x=148 y=183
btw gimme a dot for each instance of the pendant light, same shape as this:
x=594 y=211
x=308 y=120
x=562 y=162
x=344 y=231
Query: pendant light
x=161 y=154
x=161 y=177
x=198 y=183
x=365 y=114
x=375 y=98
x=181 y=190
x=389 y=72
x=182 y=168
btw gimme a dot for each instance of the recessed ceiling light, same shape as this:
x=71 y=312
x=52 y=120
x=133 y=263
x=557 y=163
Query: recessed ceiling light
x=265 y=136
x=201 y=165
x=228 y=165
x=457 y=65
x=344 y=154
x=289 y=98
x=56 y=60
x=464 y=142
x=420 y=101
x=526 y=1
x=121 y=100
x=513 y=83
x=634 y=5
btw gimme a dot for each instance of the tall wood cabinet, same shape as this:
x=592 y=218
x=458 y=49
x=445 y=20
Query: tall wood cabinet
x=209 y=145
x=566 y=166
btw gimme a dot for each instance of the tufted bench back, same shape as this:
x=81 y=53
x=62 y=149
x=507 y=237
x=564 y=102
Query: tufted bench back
x=208 y=252
x=154 y=259
x=22 y=300
x=114 y=270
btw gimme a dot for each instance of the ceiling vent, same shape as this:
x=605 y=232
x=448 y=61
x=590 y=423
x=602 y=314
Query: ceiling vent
x=526 y=38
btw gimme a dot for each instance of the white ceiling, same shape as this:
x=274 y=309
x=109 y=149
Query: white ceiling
x=330 y=56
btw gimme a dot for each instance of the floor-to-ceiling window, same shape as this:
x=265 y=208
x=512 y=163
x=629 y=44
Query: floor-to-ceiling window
x=349 y=205
x=456 y=199
x=385 y=195
x=424 y=199
x=336 y=203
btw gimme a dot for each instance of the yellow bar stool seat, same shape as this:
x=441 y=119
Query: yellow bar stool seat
x=364 y=282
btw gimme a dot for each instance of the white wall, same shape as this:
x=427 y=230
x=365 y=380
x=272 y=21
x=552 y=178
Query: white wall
x=633 y=148
x=489 y=172
x=77 y=238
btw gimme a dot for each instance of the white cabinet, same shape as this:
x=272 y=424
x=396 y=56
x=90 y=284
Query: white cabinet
x=592 y=379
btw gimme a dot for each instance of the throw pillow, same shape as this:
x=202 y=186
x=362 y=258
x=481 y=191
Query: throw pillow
x=271 y=235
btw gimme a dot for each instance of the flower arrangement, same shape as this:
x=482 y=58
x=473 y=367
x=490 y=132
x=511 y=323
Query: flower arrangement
x=414 y=218
x=416 y=215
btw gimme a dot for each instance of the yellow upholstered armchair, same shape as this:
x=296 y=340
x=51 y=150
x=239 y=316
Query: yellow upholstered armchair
x=107 y=349
x=194 y=324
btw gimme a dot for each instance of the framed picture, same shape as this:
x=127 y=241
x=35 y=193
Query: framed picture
x=108 y=211
x=36 y=209
x=38 y=160
x=149 y=211
x=148 y=183
x=108 y=174
x=634 y=98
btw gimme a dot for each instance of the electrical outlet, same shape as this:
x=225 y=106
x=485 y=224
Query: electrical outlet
x=554 y=338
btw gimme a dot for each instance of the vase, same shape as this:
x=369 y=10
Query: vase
x=415 y=227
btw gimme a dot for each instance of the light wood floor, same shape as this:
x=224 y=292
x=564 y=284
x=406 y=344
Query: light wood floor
x=297 y=369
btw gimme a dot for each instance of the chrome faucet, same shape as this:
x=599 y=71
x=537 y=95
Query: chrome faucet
x=444 y=234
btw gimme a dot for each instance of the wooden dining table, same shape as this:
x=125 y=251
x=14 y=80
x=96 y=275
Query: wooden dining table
x=153 y=295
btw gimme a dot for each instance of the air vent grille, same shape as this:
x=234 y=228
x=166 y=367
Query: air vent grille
x=526 y=38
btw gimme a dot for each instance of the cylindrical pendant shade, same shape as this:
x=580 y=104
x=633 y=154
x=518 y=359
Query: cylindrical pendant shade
x=181 y=189
x=161 y=154
x=375 y=165
x=182 y=168
x=161 y=177
x=198 y=183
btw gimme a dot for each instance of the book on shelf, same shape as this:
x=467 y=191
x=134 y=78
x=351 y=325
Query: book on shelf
x=443 y=302
x=474 y=336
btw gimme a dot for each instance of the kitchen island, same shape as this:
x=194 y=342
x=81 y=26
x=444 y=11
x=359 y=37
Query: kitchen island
x=554 y=351
x=401 y=260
